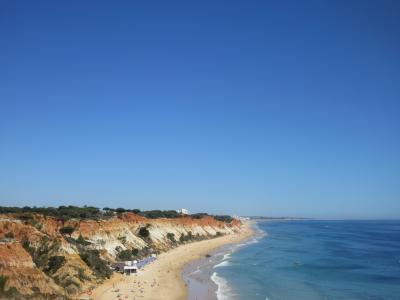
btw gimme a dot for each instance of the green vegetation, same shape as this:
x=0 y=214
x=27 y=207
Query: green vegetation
x=25 y=217
x=182 y=238
x=67 y=230
x=171 y=237
x=224 y=218
x=156 y=214
x=61 y=212
x=41 y=254
x=89 y=212
x=135 y=252
x=190 y=237
x=55 y=262
x=186 y=238
x=199 y=215
x=11 y=293
x=122 y=239
x=80 y=240
x=144 y=232
x=27 y=246
x=128 y=254
x=3 y=281
x=120 y=210
x=39 y=226
x=81 y=275
x=70 y=284
x=94 y=262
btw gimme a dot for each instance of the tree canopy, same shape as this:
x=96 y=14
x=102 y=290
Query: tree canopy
x=94 y=213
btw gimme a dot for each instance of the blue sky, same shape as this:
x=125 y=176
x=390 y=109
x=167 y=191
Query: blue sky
x=245 y=107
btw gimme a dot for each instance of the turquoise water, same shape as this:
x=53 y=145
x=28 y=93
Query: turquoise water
x=307 y=260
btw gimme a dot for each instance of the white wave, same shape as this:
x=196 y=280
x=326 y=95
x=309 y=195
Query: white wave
x=256 y=239
x=224 y=292
x=227 y=255
x=253 y=241
x=225 y=263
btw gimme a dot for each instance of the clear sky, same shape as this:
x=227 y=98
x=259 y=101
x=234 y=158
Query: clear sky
x=245 y=107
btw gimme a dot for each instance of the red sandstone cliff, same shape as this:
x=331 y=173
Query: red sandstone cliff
x=38 y=262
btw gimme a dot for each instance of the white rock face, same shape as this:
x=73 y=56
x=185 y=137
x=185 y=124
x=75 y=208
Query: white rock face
x=125 y=235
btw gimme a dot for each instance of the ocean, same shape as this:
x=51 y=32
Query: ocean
x=307 y=260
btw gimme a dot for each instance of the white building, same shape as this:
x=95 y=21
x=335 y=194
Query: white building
x=128 y=270
x=183 y=211
x=126 y=267
x=240 y=218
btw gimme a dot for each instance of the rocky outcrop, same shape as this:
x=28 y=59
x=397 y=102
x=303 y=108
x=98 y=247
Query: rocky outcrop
x=37 y=261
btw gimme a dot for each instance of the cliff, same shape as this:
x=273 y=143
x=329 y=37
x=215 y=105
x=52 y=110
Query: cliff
x=38 y=262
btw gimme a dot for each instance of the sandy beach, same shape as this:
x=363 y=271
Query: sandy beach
x=162 y=279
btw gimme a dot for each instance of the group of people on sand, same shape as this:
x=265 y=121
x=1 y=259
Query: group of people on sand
x=136 y=286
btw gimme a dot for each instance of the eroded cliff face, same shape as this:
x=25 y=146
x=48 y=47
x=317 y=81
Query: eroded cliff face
x=37 y=261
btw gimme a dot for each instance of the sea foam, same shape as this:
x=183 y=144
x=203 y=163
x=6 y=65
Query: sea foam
x=224 y=292
x=225 y=263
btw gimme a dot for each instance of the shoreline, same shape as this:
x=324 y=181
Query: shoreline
x=163 y=279
x=201 y=275
x=198 y=274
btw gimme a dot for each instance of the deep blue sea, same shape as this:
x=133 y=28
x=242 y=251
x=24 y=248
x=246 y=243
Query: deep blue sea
x=307 y=260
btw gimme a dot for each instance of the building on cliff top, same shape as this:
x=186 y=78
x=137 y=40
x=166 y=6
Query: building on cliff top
x=183 y=211
x=240 y=218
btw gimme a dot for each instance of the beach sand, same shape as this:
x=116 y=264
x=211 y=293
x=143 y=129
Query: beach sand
x=162 y=279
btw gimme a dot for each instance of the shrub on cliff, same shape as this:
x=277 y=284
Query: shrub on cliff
x=81 y=241
x=95 y=263
x=122 y=239
x=27 y=246
x=55 y=262
x=67 y=230
x=144 y=232
x=11 y=293
x=135 y=252
x=171 y=237
x=224 y=218
x=156 y=214
x=189 y=237
x=120 y=210
x=182 y=238
x=125 y=255
x=82 y=276
x=199 y=237
x=3 y=280
x=199 y=215
x=42 y=251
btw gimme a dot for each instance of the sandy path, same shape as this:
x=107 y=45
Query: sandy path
x=162 y=279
